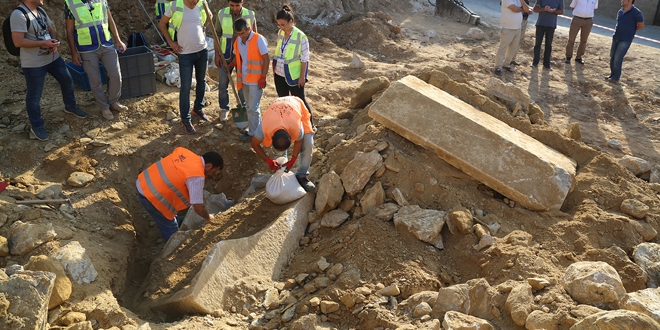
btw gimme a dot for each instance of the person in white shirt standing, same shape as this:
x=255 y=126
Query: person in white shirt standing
x=511 y=22
x=583 y=20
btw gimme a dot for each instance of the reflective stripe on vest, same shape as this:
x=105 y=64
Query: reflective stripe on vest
x=91 y=24
x=286 y=113
x=164 y=182
x=177 y=17
x=292 y=52
x=161 y=8
x=227 y=23
x=255 y=62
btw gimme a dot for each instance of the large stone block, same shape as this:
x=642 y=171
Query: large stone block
x=510 y=162
x=265 y=254
x=24 y=295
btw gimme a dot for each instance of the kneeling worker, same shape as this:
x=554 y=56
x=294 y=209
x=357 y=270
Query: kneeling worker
x=173 y=184
x=287 y=119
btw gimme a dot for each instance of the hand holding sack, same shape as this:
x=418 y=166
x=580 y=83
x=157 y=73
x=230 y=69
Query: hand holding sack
x=283 y=187
x=271 y=163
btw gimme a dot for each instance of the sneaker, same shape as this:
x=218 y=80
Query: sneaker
x=188 y=127
x=76 y=112
x=498 y=71
x=514 y=63
x=201 y=115
x=306 y=184
x=245 y=137
x=118 y=107
x=534 y=65
x=579 y=60
x=224 y=114
x=107 y=114
x=510 y=69
x=547 y=67
x=568 y=60
x=39 y=133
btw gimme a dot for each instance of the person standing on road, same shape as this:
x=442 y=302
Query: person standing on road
x=291 y=58
x=583 y=20
x=511 y=21
x=185 y=35
x=36 y=36
x=523 y=30
x=287 y=119
x=91 y=29
x=225 y=29
x=629 y=19
x=252 y=62
x=545 y=27
x=173 y=184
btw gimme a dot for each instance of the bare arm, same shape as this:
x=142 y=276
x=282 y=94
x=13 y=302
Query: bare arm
x=115 y=34
x=297 y=146
x=162 y=26
x=266 y=65
x=640 y=25
x=200 y=209
x=256 y=146
x=515 y=9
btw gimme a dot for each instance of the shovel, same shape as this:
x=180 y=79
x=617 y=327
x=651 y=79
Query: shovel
x=238 y=114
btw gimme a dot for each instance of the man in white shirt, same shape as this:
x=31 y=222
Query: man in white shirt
x=185 y=35
x=511 y=22
x=583 y=20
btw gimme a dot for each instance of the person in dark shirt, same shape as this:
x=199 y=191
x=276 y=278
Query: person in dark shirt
x=545 y=28
x=629 y=19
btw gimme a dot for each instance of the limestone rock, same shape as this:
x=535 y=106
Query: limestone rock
x=536 y=114
x=462 y=220
x=328 y=307
x=392 y=290
x=645 y=301
x=635 y=165
x=634 y=208
x=634 y=278
x=334 y=218
x=358 y=171
x=508 y=92
x=329 y=193
x=614 y=144
x=76 y=263
x=519 y=303
x=525 y=171
x=620 y=319
x=87 y=325
x=486 y=241
x=398 y=197
x=271 y=299
x=655 y=174
x=480 y=299
x=373 y=197
x=574 y=131
x=594 y=283
x=582 y=311
x=25 y=237
x=72 y=318
x=539 y=320
x=422 y=309
x=460 y=321
x=4 y=247
x=62 y=287
x=538 y=283
x=31 y=214
x=79 y=179
x=454 y=298
x=476 y=33
x=356 y=63
x=27 y=295
x=305 y=322
x=423 y=224
x=386 y=211
x=335 y=140
x=367 y=89
x=50 y=192
x=647 y=256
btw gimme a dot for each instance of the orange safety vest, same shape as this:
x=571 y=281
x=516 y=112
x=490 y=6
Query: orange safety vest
x=286 y=113
x=255 y=62
x=164 y=182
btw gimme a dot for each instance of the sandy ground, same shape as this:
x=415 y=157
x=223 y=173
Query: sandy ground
x=124 y=244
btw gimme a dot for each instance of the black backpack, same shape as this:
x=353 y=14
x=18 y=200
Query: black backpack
x=137 y=39
x=6 y=30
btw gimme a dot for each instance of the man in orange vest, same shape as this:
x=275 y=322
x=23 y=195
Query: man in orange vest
x=252 y=62
x=287 y=119
x=173 y=184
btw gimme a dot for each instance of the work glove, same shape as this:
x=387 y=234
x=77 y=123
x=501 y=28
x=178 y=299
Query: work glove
x=230 y=65
x=262 y=82
x=272 y=164
x=289 y=164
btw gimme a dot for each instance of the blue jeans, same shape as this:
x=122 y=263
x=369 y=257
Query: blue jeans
x=186 y=63
x=306 y=152
x=252 y=103
x=166 y=226
x=617 y=52
x=223 y=93
x=34 y=79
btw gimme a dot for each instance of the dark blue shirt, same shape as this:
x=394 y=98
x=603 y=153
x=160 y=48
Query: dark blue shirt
x=626 y=24
x=547 y=18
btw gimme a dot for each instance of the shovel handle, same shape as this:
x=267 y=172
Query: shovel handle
x=44 y=201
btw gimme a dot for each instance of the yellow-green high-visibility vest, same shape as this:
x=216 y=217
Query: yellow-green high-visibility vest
x=161 y=8
x=177 y=17
x=292 y=52
x=91 y=24
x=226 y=21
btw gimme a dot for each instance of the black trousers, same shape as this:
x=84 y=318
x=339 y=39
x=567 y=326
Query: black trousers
x=283 y=89
x=548 y=33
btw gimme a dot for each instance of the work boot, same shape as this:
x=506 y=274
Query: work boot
x=568 y=60
x=188 y=127
x=306 y=184
x=224 y=115
x=39 y=133
x=76 y=112
x=118 y=107
x=107 y=114
x=498 y=71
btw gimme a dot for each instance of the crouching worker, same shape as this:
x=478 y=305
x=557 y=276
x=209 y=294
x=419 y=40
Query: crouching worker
x=173 y=184
x=287 y=119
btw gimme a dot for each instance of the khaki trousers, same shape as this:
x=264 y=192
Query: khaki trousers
x=584 y=26
x=509 y=43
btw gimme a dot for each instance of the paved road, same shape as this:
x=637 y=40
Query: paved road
x=489 y=10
